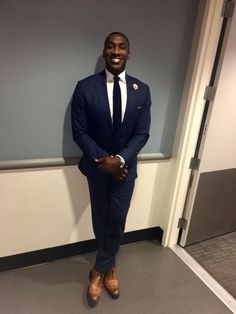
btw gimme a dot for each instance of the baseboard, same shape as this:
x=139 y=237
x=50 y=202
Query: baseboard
x=64 y=251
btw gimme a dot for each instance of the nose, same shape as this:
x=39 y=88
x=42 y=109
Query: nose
x=116 y=50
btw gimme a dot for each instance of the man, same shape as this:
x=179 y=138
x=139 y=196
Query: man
x=110 y=122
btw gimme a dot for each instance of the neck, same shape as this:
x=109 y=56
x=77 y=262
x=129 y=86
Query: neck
x=114 y=72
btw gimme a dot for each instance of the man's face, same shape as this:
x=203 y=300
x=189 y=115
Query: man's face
x=116 y=53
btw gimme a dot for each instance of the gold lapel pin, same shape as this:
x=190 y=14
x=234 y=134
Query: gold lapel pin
x=135 y=86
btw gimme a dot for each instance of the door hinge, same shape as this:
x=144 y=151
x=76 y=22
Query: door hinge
x=210 y=92
x=182 y=223
x=194 y=163
x=228 y=9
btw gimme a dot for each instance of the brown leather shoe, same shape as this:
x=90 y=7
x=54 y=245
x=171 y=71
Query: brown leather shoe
x=95 y=288
x=111 y=283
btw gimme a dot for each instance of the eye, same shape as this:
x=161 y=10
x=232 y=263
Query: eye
x=123 y=47
x=109 y=45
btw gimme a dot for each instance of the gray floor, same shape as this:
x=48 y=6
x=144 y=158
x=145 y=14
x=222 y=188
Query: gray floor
x=153 y=280
x=218 y=257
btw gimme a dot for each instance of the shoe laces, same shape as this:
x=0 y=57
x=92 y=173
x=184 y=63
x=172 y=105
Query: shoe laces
x=111 y=273
x=98 y=279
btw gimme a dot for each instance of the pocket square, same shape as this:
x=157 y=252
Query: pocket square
x=139 y=107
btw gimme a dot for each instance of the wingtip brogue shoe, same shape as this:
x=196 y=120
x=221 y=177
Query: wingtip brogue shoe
x=111 y=283
x=95 y=288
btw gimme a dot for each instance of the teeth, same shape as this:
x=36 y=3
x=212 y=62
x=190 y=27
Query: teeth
x=115 y=60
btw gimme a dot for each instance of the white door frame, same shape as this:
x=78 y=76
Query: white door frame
x=202 y=57
x=188 y=210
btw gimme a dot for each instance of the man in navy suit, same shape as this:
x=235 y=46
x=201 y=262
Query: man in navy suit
x=110 y=139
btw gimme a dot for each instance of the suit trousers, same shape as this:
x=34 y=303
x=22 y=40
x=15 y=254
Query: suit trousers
x=110 y=201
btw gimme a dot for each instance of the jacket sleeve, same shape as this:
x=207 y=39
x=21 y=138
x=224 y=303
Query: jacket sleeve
x=80 y=127
x=141 y=132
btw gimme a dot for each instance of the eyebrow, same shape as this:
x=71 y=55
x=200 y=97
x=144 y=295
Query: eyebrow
x=111 y=42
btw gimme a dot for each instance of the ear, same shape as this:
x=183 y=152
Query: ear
x=128 y=56
x=103 y=54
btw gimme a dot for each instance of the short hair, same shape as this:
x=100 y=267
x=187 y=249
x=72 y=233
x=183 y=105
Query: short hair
x=117 y=33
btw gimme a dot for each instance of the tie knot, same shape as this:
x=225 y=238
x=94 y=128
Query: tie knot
x=116 y=78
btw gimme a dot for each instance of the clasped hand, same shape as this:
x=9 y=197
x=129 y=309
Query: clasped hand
x=111 y=165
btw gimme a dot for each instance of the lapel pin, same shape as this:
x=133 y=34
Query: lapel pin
x=135 y=86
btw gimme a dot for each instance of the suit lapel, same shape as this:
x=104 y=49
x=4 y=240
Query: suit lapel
x=130 y=99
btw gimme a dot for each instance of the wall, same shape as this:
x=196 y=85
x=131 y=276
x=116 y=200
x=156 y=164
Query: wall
x=47 y=46
x=44 y=50
x=48 y=207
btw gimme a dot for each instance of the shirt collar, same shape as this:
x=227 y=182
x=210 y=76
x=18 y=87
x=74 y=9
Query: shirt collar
x=110 y=76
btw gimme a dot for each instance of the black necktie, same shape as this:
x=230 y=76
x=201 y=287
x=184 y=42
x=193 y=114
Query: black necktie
x=116 y=103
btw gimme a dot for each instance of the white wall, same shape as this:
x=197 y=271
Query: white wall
x=48 y=207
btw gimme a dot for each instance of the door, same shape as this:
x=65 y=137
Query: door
x=210 y=207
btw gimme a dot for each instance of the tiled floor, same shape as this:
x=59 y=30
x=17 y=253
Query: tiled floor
x=218 y=257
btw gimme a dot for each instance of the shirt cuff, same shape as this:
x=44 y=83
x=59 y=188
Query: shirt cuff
x=122 y=161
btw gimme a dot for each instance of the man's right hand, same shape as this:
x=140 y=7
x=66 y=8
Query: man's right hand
x=111 y=165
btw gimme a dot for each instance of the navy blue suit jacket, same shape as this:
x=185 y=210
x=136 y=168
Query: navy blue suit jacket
x=92 y=124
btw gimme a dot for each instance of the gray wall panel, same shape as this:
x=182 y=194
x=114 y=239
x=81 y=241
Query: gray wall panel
x=214 y=210
x=47 y=46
